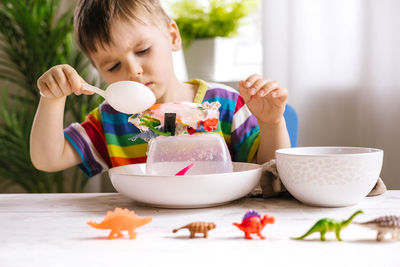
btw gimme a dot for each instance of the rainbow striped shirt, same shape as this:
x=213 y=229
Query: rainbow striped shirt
x=102 y=140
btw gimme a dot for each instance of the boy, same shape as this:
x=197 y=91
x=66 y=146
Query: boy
x=134 y=40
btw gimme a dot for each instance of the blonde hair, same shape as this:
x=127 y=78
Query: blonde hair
x=93 y=18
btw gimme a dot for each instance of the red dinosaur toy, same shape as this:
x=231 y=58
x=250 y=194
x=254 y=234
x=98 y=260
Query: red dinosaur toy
x=253 y=224
x=121 y=220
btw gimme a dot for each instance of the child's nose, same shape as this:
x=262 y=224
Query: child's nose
x=135 y=70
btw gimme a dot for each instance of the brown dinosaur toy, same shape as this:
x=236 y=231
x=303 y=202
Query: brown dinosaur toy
x=384 y=225
x=121 y=220
x=197 y=227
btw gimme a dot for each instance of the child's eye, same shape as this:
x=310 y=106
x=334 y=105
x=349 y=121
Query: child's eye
x=116 y=66
x=142 y=52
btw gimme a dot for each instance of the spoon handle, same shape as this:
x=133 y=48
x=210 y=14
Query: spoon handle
x=94 y=89
x=184 y=170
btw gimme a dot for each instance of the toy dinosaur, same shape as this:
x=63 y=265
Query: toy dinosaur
x=197 y=227
x=252 y=223
x=384 y=225
x=329 y=225
x=121 y=220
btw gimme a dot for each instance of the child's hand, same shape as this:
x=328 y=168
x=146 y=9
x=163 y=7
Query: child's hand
x=265 y=98
x=59 y=81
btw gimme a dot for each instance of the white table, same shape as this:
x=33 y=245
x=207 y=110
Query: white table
x=51 y=230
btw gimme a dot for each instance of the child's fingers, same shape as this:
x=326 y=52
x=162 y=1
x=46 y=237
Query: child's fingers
x=248 y=92
x=244 y=92
x=44 y=89
x=86 y=92
x=281 y=94
x=257 y=87
x=268 y=88
x=46 y=92
x=62 y=81
x=251 y=80
x=53 y=86
x=41 y=84
x=74 y=79
x=260 y=86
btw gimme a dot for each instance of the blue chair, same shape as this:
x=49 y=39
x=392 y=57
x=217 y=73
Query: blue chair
x=292 y=124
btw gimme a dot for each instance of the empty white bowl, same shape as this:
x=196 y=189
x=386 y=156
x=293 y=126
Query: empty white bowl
x=329 y=176
x=187 y=191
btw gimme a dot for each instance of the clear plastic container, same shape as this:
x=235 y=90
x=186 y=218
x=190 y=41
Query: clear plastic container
x=167 y=155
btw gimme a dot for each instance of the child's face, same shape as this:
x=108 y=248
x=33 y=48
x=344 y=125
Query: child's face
x=139 y=52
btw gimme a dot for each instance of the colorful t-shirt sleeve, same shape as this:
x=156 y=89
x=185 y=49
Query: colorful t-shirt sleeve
x=239 y=126
x=88 y=140
x=245 y=136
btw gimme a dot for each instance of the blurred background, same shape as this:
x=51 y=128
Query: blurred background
x=341 y=63
x=339 y=59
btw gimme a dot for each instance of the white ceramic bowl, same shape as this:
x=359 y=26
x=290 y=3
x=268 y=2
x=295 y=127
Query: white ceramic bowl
x=329 y=176
x=187 y=191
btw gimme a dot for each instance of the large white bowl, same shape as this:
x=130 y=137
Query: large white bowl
x=329 y=176
x=187 y=191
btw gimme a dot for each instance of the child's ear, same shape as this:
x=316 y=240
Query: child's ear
x=176 y=40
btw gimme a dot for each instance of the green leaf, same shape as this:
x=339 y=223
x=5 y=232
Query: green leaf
x=33 y=38
x=208 y=19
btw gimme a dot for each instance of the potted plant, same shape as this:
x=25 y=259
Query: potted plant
x=33 y=38
x=208 y=29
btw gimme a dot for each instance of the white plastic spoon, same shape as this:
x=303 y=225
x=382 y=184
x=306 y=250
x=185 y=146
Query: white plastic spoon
x=125 y=96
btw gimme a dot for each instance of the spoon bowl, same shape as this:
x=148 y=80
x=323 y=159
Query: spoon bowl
x=125 y=96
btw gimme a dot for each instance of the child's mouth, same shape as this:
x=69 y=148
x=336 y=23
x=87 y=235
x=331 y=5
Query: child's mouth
x=149 y=84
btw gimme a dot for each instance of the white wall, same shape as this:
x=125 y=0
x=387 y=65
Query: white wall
x=340 y=61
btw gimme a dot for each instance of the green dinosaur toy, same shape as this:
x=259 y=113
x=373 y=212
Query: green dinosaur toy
x=329 y=225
